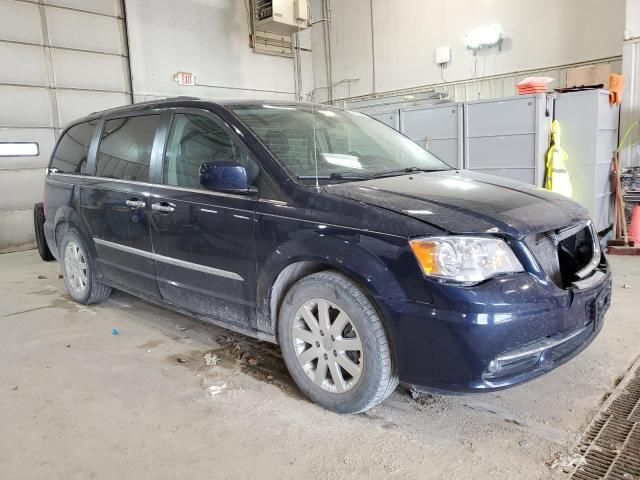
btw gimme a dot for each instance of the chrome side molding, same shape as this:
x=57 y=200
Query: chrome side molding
x=170 y=260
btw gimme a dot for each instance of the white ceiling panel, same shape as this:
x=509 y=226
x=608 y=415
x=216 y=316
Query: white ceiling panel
x=84 y=31
x=88 y=70
x=25 y=107
x=20 y=22
x=22 y=64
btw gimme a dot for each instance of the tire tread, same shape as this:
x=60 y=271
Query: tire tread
x=388 y=378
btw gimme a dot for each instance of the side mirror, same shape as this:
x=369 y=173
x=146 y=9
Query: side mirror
x=225 y=176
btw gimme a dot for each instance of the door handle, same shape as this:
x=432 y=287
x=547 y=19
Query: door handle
x=135 y=203
x=163 y=207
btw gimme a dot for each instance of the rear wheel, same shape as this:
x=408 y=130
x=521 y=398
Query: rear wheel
x=79 y=273
x=335 y=345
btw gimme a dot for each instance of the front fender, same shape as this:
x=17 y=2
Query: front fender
x=371 y=259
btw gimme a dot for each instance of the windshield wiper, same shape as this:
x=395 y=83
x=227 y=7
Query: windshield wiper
x=337 y=176
x=390 y=173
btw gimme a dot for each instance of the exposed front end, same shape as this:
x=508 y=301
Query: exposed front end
x=510 y=328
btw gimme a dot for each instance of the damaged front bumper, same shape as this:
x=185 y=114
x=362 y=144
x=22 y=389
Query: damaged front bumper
x=496 y=335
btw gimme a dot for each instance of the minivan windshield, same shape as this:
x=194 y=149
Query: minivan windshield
x=347 y=145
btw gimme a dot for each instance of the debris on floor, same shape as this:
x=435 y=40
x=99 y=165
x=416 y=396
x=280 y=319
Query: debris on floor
x=42 y=277
x=210 y=359
x=415 y=394
x=626 y=286
x=115 y=331
x=216 y=389
x=568 y=463
x=181 y=328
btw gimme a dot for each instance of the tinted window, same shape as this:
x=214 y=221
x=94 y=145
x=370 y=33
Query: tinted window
x=125 y=148
x=72 y=151
x=194 y=140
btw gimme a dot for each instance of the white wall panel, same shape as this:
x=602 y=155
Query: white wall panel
x=79 y=64
x=106 y=7
x=25 y=107
x=632 y=28
x=539 y=34
x=71 y=29
x=351 y=43
x=22 y=64
x=20 y=22
x=16 y=232
x=21 y=188
x=43 y=136
x=88 y=70
x=74 y=104
x=208 y=38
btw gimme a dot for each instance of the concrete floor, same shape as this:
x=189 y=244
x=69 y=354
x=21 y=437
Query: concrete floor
x=78 y=402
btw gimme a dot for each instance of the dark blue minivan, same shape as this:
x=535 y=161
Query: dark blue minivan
x=367 y=259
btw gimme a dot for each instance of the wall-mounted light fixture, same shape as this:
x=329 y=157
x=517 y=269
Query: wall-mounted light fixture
x=19 y=149
x=485 y=37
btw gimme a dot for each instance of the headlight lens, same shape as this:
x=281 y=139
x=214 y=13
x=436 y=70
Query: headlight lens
x=464 y=259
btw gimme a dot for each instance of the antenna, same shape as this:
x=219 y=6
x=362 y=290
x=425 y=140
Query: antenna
x=315 y=149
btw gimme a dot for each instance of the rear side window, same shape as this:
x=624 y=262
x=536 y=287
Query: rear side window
x=72 y=151
x=125 y=148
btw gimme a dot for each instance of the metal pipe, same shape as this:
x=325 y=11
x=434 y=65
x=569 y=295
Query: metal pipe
x=431 y=86
x=327 y=50
x=244 y=89
x=373 y=51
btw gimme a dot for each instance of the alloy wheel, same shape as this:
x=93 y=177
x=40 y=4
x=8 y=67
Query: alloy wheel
x=75 y=268
x=327 y=345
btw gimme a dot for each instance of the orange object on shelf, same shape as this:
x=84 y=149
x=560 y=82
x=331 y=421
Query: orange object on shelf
x=616 y=86
x=533 y=85
x=634 y=231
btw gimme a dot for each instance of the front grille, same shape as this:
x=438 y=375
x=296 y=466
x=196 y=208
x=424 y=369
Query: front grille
x=545 y=250
x=564 y=252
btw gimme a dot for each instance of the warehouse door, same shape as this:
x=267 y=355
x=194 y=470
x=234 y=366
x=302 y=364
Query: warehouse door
x=60 y=60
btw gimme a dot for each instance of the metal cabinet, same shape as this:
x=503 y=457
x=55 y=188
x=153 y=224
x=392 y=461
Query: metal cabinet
x=439 y=128
x=590 y=136
x=388 y=116
x=508 y=137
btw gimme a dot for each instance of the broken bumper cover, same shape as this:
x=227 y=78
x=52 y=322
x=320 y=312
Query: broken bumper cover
x=495 y=335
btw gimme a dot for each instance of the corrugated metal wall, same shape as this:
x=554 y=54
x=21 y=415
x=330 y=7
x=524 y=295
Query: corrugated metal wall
x=60 y=59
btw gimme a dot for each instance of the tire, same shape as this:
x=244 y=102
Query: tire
x=355 y=333
x=38 y=226
x=79 y=270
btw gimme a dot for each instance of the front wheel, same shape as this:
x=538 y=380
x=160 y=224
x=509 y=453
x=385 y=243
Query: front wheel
x=335 y=345
x=79 y=273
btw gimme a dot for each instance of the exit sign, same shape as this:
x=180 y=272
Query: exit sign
x=185 y=78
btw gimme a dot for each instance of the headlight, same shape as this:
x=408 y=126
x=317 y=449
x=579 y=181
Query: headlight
x=464 y=259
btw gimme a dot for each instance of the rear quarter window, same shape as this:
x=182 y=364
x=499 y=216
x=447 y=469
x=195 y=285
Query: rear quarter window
x=71 y=154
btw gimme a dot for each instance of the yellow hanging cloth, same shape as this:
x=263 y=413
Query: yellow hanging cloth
x=557 y=177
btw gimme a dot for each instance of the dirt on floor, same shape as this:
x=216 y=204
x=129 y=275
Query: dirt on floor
x=125 y=389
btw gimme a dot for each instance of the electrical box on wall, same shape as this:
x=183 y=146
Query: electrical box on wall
x=280 y=16
x=443 y=55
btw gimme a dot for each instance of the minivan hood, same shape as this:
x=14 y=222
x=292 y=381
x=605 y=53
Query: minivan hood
x=467 y=202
